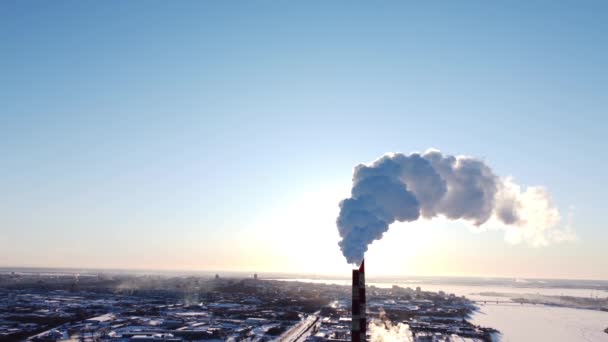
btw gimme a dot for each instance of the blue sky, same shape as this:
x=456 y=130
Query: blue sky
x=164 y=135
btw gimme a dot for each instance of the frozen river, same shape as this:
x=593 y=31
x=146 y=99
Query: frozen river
x=543 y=323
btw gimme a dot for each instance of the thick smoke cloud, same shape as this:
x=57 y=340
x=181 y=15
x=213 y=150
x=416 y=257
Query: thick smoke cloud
x=403 y=188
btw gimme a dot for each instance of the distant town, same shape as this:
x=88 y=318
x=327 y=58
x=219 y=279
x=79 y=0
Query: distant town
x=121 y=307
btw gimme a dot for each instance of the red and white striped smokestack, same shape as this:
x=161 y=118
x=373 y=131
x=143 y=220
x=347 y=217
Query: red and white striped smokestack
x=359 y=323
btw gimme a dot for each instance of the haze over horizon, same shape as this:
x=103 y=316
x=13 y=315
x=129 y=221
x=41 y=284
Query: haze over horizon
x=214 y=137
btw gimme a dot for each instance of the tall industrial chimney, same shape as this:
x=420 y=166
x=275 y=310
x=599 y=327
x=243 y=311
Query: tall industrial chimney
x=358 y=307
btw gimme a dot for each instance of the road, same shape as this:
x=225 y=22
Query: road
x=300 y=331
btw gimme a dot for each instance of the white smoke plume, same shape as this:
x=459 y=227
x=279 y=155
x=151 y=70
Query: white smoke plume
x=386 y=331
x=399 y=187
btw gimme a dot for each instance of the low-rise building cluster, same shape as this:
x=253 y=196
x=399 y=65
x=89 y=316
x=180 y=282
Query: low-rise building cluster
x=153 y=308
x=427 y=317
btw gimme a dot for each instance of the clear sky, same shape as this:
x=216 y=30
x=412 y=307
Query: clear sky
x=222 y=134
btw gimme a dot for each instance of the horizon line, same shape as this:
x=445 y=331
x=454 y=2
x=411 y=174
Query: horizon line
x=315 y=275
